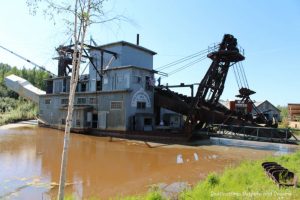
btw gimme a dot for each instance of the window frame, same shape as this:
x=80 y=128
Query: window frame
x=115 y=103
x=64 y=101
x=79 y=100
x=141 y=105
x=47 y=101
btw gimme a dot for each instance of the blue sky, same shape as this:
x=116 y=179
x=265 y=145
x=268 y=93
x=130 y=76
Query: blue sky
x=269 y=31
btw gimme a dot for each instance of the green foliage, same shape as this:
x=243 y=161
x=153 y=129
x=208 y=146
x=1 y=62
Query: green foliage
x=296 y=132
x=283 y=111
x=153 y=194
x=16 y=109
x=284 y=114
x=7 y=104
x=213 y=179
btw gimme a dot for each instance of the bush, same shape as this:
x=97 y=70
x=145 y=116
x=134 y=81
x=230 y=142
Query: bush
x=213 y=179
x=13 y=110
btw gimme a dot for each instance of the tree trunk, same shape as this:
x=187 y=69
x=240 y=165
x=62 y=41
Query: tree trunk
x=69 y=120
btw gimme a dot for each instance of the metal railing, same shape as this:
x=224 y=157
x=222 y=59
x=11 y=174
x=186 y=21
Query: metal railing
x=215 y=47
x=250 y=132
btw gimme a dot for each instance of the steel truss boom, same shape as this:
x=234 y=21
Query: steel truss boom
x=29 y=61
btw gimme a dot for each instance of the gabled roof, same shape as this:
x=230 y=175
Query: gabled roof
x=124 y=43
x=258 y=103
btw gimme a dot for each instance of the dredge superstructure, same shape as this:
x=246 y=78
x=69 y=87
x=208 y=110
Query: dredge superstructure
x=119 y=95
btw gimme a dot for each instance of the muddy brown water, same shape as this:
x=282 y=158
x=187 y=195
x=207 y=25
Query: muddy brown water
x=30 y=164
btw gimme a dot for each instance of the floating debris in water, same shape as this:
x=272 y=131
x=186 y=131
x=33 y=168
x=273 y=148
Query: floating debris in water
x=179 y=159
x=196 y=157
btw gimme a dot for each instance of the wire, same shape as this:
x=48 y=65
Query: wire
x=244 y=74
x=237 y=78
x=240 y=74
x=186 y=66
x=176 y=62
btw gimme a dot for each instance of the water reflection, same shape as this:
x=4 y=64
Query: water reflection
x=98 y=167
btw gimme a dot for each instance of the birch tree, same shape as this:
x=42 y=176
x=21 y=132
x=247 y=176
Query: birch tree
x=85 y=13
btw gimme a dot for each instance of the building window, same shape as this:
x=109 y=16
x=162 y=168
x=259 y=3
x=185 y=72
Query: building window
x=41 y=112
x=49 y=87
x=63 y=121
x=47 y=101
x=116 y=105
x=58 y=86
x=64 y=101
x=140 y=105
x=92 y=100
x=77 y=122
x=81 y=101
x=98 y=86
x=149 y=83
x=147 y=121
x=83 y=87
x=136 y=79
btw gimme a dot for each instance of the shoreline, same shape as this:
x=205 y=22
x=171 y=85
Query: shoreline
x=22 y=123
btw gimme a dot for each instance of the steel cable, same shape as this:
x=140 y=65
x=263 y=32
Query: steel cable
x=237 y=78
x=186 y=66
x=176 y=62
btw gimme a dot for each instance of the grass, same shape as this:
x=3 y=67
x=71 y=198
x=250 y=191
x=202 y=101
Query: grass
x=152 y=195
x=14 y=110
x=296 y=131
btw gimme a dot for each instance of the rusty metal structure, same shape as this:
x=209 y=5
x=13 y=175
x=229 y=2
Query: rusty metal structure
x=204 y=110
x=280 y=175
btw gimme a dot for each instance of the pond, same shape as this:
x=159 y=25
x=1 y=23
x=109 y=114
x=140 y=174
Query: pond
x=98 y=167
